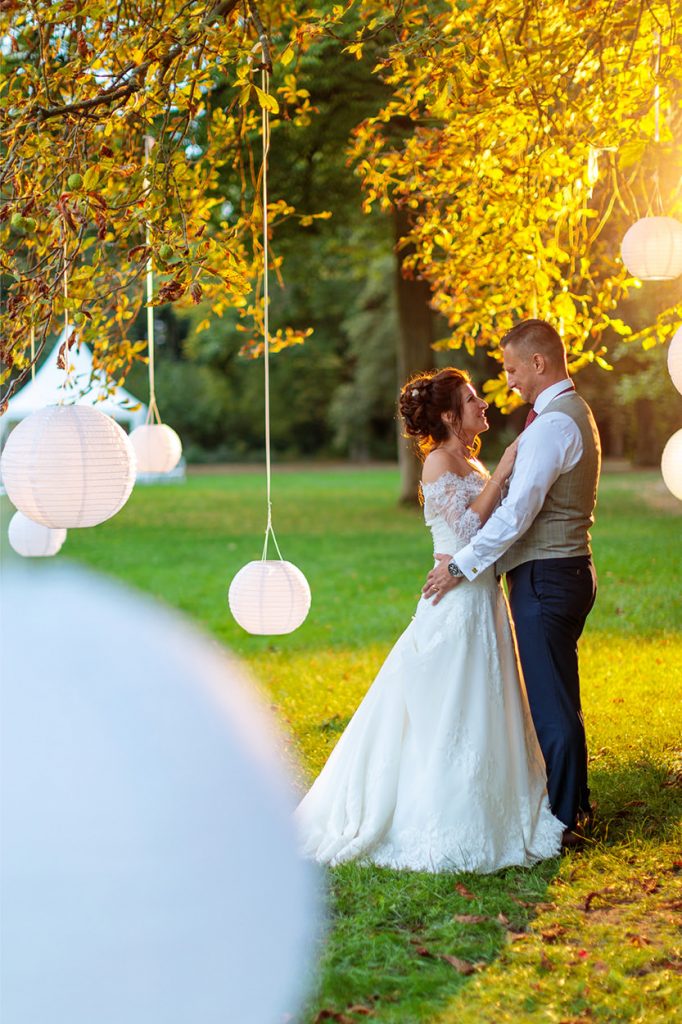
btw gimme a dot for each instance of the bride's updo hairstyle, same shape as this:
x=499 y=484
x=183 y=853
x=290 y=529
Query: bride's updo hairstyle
x=425 y=398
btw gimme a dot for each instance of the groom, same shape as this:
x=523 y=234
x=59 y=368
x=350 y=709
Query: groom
x=539 y=537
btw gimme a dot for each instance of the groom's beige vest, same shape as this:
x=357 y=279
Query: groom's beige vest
x=561 y=527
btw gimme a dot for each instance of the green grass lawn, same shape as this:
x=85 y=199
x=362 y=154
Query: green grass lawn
x=589 y=937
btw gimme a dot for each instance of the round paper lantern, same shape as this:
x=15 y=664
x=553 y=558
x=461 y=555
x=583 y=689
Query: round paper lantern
x=148 y=856
x=269 y=597
x=652 y=249
x=675 y=359
x=157 y=448
x=32 y=540
x=68 y=465
x=671 y=464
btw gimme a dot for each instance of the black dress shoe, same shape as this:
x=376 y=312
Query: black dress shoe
x=572 y=839
x=576 y=837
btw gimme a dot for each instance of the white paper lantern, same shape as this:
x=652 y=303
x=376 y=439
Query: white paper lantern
x=675 y=359
x=269 y=597
x=148 y=854
x=671 y=464
x=157 y=448
x=67 y=466
x=652 y=249
x=32 y=540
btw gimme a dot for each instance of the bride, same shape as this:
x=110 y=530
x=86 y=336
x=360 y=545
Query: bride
x=439 y=769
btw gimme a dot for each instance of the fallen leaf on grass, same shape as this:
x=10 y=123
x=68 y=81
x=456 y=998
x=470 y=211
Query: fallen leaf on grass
x=463 y=891
x=524 y=903
x=471 y=918
x=461 y=966
x=364 y=1011
x=545 y=963
x=638 y=940
x=600 y=894
x=553 y=933
x=673 y=780
x=503 y=919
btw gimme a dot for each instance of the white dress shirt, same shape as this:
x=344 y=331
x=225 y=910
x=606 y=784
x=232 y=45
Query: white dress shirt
x=549 y=446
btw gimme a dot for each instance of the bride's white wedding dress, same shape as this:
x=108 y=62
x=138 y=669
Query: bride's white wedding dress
x=439 y=769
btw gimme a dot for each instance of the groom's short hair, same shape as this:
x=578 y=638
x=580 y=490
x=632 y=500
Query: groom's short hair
x=530 y=336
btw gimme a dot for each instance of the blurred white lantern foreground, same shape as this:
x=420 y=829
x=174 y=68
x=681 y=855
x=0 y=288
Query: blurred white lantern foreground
x=157 y=448
x=671 y=464
x=269 y=597
x=68 y=465
x=675 y=359
x=652 y=249
x=148 y=867
x=32 y=540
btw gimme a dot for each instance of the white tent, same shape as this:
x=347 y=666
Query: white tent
x=53 y=386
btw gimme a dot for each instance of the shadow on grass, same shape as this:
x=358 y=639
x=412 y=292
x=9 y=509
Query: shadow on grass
x=639 y=799
x=401 y=944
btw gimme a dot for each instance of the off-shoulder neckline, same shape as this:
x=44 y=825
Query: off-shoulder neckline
x=457 y=476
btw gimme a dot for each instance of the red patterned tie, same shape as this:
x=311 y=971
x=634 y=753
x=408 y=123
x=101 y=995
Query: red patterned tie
x=532 y=415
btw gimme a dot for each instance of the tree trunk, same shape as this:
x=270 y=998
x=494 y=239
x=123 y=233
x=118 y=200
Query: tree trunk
x=616 y=434
x=415 y=337
x=645 y=450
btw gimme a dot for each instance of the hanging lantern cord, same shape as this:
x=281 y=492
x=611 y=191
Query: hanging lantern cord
x=153 y=411
x=66 y=292
x=265 y=116
x=65 y=347
x=657 y=115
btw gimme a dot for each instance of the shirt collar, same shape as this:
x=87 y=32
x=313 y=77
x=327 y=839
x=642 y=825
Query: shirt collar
x=550 y=393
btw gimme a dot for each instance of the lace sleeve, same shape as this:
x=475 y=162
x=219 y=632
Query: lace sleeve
x=449 y=498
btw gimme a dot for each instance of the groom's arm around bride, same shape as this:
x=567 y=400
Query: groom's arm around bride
x=539 y=536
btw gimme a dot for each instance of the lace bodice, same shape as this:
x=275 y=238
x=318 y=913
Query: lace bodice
x=446 y=509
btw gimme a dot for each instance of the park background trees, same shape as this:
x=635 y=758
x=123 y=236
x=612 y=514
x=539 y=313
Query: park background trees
x=437 y=170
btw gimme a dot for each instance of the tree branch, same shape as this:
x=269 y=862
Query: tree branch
x=221 y=10
x=262 y=35
x=109 y=96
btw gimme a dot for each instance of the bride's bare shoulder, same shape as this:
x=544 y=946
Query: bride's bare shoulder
x=439 y=462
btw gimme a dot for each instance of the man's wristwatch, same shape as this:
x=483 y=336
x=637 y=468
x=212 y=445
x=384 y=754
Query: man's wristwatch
x=455 y=570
